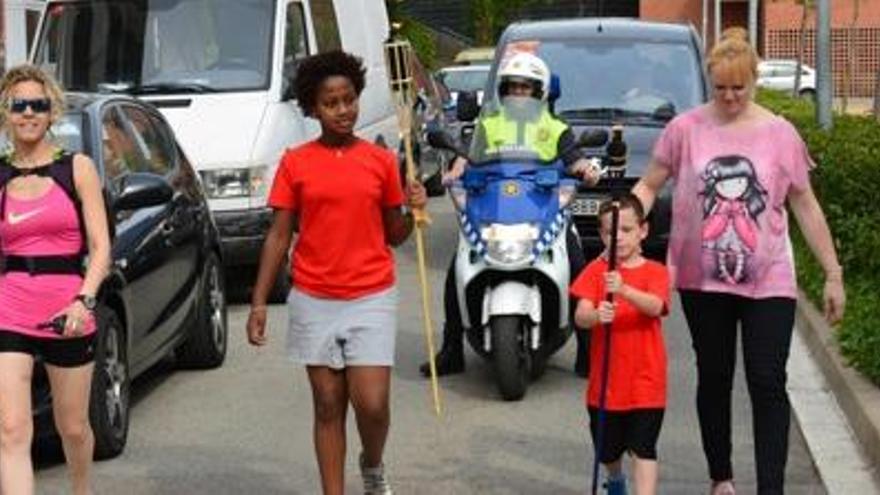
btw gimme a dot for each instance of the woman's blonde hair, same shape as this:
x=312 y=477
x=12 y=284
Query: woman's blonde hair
x=735 y=32
x=25 y=73
x=734 y=55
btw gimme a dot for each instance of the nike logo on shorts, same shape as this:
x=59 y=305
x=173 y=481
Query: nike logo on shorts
x=15 y=218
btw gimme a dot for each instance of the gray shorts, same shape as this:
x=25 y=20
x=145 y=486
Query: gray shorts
x=342 y=332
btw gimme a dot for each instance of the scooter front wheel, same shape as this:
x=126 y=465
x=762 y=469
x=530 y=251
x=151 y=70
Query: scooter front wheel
x=510 y=355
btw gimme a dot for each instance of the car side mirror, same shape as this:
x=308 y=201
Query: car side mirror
x=140 y=190
x=467 y=106
x=421 y=102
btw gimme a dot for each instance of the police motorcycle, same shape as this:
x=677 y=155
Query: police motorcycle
x=512 y=268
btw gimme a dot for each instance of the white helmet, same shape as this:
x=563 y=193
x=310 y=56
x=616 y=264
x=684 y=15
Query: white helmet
x=525 y=66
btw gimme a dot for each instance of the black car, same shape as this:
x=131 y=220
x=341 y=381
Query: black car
x=165 y=292
x=636 y=73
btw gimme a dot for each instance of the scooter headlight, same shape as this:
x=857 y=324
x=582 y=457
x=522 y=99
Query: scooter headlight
x=509 y=244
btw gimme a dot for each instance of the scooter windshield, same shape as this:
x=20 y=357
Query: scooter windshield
x=514 y=129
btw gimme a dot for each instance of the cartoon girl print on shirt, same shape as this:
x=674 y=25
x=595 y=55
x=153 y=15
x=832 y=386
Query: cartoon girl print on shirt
x=733 y=199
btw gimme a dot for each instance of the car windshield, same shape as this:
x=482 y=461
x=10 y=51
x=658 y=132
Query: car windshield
x=159 y=46
x=637 y=82
x=465 y=80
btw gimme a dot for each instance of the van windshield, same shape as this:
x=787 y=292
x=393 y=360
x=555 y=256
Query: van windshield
x=158 y=46
x=638 y=82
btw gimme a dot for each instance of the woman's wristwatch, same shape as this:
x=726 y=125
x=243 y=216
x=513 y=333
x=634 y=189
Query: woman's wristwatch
x=89 y=302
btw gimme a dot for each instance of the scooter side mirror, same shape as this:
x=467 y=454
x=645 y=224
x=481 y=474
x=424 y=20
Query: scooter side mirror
x=593 y=138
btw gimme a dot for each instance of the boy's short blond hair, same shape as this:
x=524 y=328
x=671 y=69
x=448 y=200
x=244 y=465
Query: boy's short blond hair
x=625 y=200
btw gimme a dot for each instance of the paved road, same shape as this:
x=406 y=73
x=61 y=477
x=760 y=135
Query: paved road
x=246 y=428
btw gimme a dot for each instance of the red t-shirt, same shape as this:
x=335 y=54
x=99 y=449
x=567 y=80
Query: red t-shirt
x=339 y=195
x=637 y=375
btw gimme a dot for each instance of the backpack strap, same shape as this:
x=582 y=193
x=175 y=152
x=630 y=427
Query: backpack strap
x=7 y=173
x=61 y=171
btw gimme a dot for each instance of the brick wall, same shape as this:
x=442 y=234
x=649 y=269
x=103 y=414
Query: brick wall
x=680 y=11
x=782 y=18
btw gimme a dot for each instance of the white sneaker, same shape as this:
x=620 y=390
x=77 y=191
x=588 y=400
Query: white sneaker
x=374 y=479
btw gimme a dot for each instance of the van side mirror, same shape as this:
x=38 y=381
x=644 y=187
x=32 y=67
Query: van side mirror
x=467 y=106
x=140 y=190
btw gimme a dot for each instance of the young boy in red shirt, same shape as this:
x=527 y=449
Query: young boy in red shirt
x=636 y=391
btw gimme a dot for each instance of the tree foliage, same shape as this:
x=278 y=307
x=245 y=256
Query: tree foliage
x=418 y=34
x=492 y=16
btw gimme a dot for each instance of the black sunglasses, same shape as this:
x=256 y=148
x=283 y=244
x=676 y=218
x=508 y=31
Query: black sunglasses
x=38 y=105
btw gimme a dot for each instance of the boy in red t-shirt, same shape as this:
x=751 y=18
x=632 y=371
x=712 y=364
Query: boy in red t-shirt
x=636 y=390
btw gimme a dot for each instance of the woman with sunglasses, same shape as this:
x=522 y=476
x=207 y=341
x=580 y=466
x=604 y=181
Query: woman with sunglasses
x=43 y=240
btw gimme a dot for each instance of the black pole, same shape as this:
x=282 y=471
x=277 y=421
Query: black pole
x=616 y=152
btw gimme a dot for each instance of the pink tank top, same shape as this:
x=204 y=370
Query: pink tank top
x=47 y=225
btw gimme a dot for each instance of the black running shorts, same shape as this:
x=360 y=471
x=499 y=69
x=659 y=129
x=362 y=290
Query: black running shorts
x=635 y=431
x=64 y=353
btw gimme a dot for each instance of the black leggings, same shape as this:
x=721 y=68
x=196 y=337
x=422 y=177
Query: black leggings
x=766 y=336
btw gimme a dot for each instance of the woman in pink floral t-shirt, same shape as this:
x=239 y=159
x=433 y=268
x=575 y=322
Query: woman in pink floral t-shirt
x=735 y=167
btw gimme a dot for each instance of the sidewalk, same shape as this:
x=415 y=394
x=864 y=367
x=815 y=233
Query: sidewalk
x=838 y=409
x=855 y=105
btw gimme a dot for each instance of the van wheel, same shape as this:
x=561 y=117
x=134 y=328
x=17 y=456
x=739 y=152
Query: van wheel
x=205 y=347
x=110 y=394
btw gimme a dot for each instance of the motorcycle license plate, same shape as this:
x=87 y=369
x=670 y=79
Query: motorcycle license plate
x=586 y=207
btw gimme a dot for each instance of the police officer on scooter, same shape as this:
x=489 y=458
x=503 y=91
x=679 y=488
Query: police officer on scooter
x=523 y=120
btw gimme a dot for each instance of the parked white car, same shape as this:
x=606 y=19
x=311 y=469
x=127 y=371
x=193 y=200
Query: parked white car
x=464 y=78
x=780 y=75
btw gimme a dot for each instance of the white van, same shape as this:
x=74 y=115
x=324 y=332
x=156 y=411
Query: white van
x=220 y=71
x=20 y=20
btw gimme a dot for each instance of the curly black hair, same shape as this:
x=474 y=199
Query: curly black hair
x=312 y=71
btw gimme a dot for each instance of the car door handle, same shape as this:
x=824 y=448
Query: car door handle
x=168 y=227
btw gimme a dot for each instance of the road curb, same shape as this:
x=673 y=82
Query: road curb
x=858 y=398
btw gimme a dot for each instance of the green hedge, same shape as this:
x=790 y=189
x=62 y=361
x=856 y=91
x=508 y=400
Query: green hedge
x=846 y=181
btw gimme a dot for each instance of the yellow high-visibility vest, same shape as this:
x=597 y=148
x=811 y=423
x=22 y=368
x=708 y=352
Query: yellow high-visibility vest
x=540 y=136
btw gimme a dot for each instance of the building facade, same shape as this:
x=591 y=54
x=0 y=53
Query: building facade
x=855 y=32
